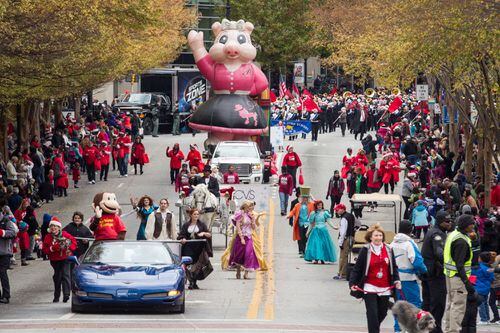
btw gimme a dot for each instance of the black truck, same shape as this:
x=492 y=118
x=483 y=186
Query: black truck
x=146 y=105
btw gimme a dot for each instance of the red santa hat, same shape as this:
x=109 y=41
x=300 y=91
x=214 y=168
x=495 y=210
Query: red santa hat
x=55 y=221
x=339 y=206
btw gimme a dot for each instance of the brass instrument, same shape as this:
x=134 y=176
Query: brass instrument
x=396 y=91
x=370 y=92
x=347 y=94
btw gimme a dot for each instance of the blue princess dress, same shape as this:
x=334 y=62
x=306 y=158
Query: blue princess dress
x=319 y=244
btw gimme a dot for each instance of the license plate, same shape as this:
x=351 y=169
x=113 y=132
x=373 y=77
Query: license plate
x=122 y=293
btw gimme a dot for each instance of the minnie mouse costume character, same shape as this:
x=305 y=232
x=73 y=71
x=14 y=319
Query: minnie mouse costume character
x=231 y=114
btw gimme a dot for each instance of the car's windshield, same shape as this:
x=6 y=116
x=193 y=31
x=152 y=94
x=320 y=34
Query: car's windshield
x=236 y=151
x=138 y=98
x=142 y=253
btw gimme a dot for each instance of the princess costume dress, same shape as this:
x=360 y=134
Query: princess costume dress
x=244 y=254
x=231 y=110
x=319 y=244
x=257 y=247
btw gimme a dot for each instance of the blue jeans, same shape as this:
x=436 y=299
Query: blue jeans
x=411 y=292
x=484 y=311
x=283 y=201
x=123 y=165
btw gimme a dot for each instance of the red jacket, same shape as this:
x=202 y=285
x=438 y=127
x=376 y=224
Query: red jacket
x=138 y=152
x=124 y=143
x=286 y=184
x=176 y=158
x=105 y=154
x=292 y=160
x=90 y=154
x=389 y=169
x=231 y=178
x=194 y=158
x=495 y=195
x=370 y=176
x=53 y=249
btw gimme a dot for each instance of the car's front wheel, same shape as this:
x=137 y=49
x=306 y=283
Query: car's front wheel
x=181 y=308
x=147 y=125
x=75 y=308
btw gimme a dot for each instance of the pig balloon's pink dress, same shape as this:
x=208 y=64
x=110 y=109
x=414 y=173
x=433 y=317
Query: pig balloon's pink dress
x=231 y=110
x=244 y=254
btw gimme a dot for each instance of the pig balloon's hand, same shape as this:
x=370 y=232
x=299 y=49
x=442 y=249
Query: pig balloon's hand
x=195 y=40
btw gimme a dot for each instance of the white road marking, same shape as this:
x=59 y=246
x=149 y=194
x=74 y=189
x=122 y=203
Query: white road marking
x=120 y=185
x=113 y=318
x=198 y=302
x=67 y=316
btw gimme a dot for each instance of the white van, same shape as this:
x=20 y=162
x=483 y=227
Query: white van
x=243 y=155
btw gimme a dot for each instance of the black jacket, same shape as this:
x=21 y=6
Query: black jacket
x=360 y=270
x=79 y=231
x=352 y=185
x=432 y=251
x=193 y=250
x=213 y=185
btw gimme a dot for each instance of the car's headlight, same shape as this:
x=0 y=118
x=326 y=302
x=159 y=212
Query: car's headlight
x=80 y=293
x=256 y=167
x=173 y=293
x=155 y=295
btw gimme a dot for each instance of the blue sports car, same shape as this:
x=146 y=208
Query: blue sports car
x=130 y=275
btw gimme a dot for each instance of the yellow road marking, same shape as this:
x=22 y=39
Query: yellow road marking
x=269 y=305
x=253 y=307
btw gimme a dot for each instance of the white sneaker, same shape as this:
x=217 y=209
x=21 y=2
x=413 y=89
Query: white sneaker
x=90 y=183
x=126 y=175
x=482 y=323
x=93 y=182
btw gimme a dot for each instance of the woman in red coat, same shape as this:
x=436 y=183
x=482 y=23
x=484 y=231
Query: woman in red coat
x=194 y=158
x=61 y=178
x=389 y=171
x=138 y=154
x=58 y=245
x=292 y=162
x=89 y=155
x=105 y=154
x=361 y=161
x=348 y=162
x=176 y=156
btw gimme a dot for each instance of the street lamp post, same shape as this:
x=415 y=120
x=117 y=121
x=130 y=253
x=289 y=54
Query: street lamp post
x=228 y=9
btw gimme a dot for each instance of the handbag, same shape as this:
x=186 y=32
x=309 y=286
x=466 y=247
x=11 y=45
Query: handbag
x=301 y=177
x=202 y=268
x=146 y=158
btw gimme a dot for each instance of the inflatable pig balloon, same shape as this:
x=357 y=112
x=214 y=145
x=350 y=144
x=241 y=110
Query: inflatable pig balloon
x=231 y=114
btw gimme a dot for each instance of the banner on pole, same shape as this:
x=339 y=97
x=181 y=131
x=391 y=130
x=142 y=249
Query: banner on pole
x=277 y=136
x=422 y=92
x=294 y=127
x=298 y=73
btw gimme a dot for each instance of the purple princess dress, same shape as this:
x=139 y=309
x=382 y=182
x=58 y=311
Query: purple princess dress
x=244 y=254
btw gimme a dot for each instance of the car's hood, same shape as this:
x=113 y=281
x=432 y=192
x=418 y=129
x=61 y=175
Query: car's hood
x=235 y=160
x=131 y=273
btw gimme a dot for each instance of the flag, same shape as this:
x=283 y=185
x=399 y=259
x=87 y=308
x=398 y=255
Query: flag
x=272 y=96
x=307 y=93
x=295 y=91
x=395 y=104
x=282 y=89
x=333 y=91
x=309 y=104
x=289 y=94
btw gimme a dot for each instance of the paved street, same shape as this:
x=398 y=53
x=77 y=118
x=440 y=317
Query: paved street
x=292 y=296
